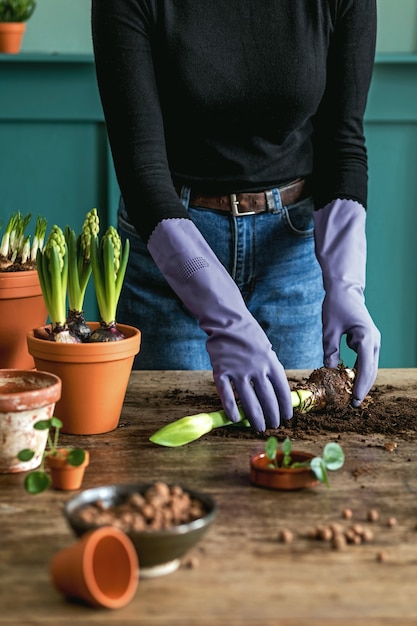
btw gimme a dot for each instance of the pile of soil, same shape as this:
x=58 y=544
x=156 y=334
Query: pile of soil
x=385 y=411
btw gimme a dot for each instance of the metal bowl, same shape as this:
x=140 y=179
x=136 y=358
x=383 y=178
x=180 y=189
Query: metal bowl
x=159 y=551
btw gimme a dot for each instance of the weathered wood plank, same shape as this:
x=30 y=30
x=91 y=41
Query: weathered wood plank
x=244 y=574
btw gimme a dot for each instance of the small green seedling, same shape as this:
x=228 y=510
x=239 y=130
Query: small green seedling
x=333 y=458
x=38 y=480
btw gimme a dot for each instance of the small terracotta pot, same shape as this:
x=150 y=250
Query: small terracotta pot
x=63 y=475
x=26 y=396
x=282 y=478
x=101 y=569
x=22 y=308
x=11 y=36
x=94 y=378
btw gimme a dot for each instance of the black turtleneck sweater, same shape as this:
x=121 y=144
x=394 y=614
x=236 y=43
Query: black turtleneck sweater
x=233 y=95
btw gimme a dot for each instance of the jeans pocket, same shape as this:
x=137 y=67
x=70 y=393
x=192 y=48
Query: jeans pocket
x=298 y=218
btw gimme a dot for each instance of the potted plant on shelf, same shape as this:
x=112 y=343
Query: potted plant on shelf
x=22 y=306
x=287 y=469
x=66 y=465
x=94 y=368
x=13 y=17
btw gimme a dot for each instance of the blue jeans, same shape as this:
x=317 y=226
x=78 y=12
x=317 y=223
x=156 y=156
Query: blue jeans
x=271 y=258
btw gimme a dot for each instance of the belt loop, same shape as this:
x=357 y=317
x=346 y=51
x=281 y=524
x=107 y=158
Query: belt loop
x=270 y=200
x=276 y=199
x=184 y=193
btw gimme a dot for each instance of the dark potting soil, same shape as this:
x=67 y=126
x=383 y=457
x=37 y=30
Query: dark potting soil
x=385 y=411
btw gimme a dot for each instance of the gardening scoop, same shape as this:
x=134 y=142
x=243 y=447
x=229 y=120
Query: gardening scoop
x=324 y=387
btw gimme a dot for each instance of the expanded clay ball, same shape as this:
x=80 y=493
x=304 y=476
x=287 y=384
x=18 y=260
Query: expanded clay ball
x=372 y=515
x=347 y=513
x=339 y=541
x=286 y=535
x=391 y=522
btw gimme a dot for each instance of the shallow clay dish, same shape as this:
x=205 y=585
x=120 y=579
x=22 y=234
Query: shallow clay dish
x=282 y=478
x=159 y=551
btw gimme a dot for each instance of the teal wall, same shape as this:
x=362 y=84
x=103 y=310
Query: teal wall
x=57 y=161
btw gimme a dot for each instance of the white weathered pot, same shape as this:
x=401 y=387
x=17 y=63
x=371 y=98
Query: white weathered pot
x=26 y=396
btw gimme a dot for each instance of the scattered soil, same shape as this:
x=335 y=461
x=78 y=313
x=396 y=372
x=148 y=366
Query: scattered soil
x=385 y=411
x=159 y=507
x=380 y=413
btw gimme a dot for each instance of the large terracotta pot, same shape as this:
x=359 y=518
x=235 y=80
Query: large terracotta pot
x=21 y=308
x=94 y=378
x=100 y=569
x=25 y=398
x=11 y=36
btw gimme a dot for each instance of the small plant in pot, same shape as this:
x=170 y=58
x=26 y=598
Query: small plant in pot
x=286 y=468
x=13 y=17
x=66 y=465
x=105 y=353
x=22 y=306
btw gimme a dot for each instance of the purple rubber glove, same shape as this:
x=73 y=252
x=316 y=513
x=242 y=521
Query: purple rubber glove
x=341 y=251
x=240 y=353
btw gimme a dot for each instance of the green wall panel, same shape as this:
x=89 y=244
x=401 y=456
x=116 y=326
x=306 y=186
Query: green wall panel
x=55 y=161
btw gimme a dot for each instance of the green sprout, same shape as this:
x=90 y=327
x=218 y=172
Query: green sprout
x=16 y=250
x=333 y=458
x=38 y=480
x=79 y=272
x=109 y=261
x=52 y=266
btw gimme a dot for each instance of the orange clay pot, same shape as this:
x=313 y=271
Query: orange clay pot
x=63 y=475
x=21 y=308
x=282 y=478
x=11 y=36
x=100 y=569
x=26 y=396
x=94 y=378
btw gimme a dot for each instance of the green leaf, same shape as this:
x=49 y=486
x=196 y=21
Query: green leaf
x=318 y=466
x=36 y=482
x=55 y=422
x=333 y=456
x=42 y=425
x=271 y=448
x=25 y=455
x=286 y=449
x=76 y=457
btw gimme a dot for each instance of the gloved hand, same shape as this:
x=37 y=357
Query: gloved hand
x=240 y=353
x=340 y=244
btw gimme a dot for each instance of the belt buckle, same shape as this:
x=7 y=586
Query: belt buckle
x=234 y=203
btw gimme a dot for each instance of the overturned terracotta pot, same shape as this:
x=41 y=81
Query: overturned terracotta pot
x=100 y=569
x=26 y=396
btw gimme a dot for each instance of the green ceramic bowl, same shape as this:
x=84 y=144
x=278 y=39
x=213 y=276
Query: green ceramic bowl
x=159 y=551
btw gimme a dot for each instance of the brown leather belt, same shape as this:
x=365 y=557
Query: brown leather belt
x=250 y=203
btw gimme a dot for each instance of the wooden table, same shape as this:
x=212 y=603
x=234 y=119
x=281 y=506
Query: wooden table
x=242 y=574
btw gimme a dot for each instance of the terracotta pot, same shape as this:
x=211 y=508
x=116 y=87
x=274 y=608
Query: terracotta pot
x=100 y=569
x=21 y=308
x=11 y=36
x=25 y=398
x=63 y=475
x=94 y=378
x=282 y=478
